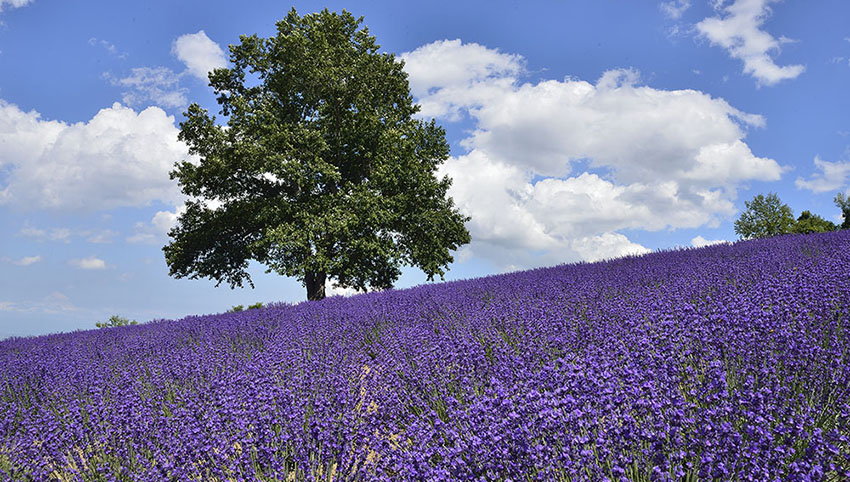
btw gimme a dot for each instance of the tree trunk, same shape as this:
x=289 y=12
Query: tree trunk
x=315 y=283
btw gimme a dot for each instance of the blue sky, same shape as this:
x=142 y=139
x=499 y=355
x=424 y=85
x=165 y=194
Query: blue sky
x=580 y=130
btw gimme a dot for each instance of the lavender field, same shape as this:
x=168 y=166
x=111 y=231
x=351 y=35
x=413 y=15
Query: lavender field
x=724 y=363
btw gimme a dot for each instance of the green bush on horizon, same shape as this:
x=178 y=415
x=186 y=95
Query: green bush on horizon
x=114 y=321
x=238 y=308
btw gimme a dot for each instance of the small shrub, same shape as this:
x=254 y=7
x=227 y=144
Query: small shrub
x=238 y=308
x=116 y=320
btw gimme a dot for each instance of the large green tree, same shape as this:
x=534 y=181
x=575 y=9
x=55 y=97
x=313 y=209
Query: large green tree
x=116 y=320
x=812 y=223
x=764 y=217
x=842 y=202
x=322 y=170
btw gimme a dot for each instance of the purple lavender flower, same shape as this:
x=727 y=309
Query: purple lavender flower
x=730 y=362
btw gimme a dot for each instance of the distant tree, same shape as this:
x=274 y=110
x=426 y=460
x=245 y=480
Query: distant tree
x=843 y=203
x=116 y=320
x=764 y=217
x=323 y=170
x=238 y=308
x=812 y=223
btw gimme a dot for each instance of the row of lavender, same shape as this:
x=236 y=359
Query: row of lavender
x=724 y=363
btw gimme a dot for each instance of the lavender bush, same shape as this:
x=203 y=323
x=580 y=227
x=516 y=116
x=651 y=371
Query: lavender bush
x=725 y=363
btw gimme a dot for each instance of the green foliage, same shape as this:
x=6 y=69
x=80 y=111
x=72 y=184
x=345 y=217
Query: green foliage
x=812 y=223
x=842 y=202
x=322 y=171
x=764 y=217
x=116 y=320
x=238 y=308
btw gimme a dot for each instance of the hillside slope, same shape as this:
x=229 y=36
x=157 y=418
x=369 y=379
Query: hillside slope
x=730 y=362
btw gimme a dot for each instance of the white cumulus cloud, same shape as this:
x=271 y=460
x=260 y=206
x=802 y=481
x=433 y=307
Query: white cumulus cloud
x=90 y=263
x=161 y=85
x=54 y=303
x=163 y=221
x=832 y=176
x=739 y=31
x=333 y=290
x=553 y=170
x=699 y=242
x=13 y=3
x=101 y=236
x=157 y=85
x=675 y=8
x=155 y=232
x=118 y=158
x=447 y=75
x=25 y=261
x=64 y=235
x=200 y=54
x=108 y=46
x=41 y=235
x=606 y=246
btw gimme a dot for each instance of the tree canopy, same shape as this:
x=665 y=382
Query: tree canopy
x=764 y=217
x=114 y=321
x=322 y=170
x=842 y=202
x=812 y=223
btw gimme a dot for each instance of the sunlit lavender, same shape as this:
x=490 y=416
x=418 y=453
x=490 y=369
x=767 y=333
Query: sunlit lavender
x=730 y=362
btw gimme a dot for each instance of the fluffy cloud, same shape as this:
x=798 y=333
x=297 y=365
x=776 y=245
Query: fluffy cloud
x=161 y=85
x=832 y=176
x=554 y=169
x=25 y=261
x=739 y=31
x=54 y=303
x=163 y=221
x=200 y=54
x=332 y=290
x=675 y=8
x=100 y=236
x=108 y=46
x=118 y=158
x=155 y=232
x=13 y=3
x=64 y=235
x=447 y=76
x=157 y=85
x=41 y=235
x=699 y=242
x=22 y=134
x=90 y=263
x=142 y=236
x=606 y=246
